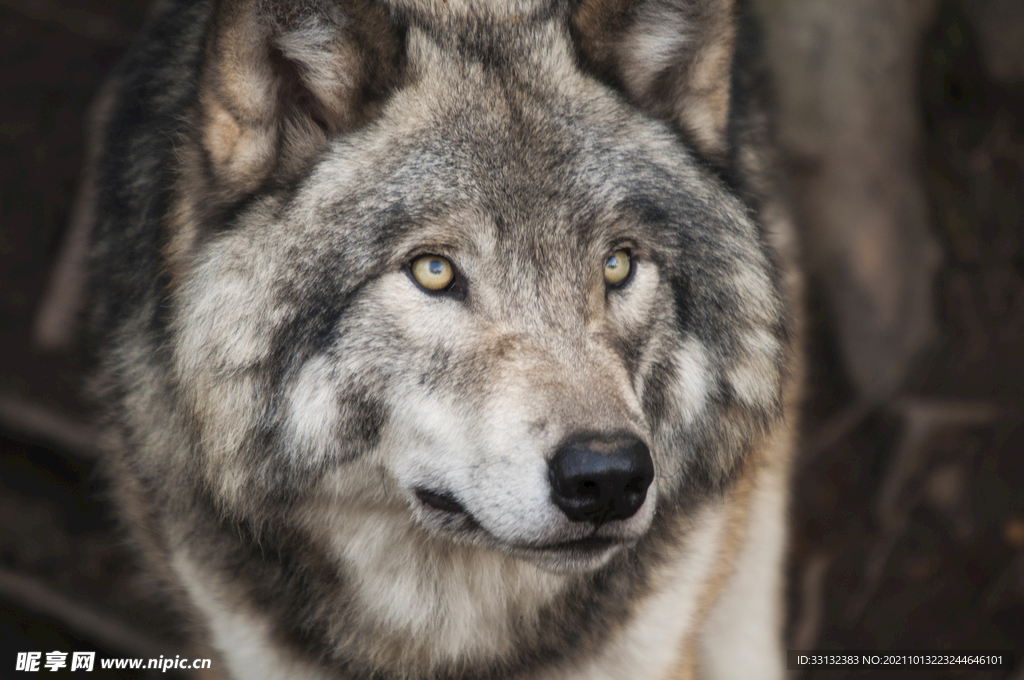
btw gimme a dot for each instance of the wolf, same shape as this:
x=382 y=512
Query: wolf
x=450 y=339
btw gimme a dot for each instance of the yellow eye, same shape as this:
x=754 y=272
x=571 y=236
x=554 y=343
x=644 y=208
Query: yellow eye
x=616 y=268
x=433 y=272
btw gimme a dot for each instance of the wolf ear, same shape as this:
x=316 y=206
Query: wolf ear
x=281 y=77
x=672 y=58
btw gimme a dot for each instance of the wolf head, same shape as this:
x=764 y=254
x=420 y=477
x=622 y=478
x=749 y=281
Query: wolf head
x=392 y=273
x=443 y=279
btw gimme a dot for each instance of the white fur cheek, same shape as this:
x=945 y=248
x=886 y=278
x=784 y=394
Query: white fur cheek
x=218 y=330
x=313 y=415
x=458 y=597
x=693 y=380
x=755 y=379
x=227 y=313
x=223 y=322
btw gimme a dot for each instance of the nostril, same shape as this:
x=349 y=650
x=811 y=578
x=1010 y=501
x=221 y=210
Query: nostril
x=601 y=478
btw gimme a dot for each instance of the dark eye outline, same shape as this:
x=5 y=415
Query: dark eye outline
x=629 y=276
x=456 y=288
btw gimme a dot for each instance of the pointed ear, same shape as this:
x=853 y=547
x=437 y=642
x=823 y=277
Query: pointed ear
x=281 y=77
x=672 y=58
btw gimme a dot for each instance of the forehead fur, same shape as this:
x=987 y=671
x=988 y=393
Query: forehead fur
x=460 y=14
x=516 y=136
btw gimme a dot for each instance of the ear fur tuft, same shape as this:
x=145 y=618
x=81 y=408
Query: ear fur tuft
x=672 y=58
x=281 y=78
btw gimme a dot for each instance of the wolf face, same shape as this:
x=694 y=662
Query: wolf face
x=303 y=327
x=448 y=316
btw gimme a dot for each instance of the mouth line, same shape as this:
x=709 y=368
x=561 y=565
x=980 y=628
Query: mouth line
x=441 y=500
x=444 y=502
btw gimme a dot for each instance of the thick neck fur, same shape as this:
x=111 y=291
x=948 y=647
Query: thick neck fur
x=405 y=605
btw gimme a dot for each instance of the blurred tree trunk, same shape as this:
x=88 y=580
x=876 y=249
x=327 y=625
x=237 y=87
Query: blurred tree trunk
x=849 y=124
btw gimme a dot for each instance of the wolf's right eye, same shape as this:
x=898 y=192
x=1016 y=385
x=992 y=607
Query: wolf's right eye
x=617 y=268
x=433 y=272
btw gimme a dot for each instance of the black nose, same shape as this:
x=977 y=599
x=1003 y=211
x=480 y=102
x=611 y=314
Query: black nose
x=600 y=479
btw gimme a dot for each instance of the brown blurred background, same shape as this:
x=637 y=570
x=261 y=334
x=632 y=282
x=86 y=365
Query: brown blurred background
x=901 y=126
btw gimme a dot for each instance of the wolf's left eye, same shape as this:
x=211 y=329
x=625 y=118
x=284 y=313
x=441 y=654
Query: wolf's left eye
x=433 y=272
x=617 y=268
